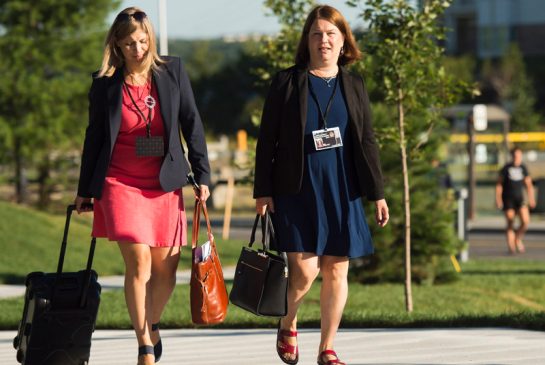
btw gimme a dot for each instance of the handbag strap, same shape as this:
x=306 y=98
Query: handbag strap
x=267 y=230
x=200 y=206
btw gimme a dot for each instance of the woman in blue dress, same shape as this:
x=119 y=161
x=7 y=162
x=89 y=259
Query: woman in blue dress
x=316 y=157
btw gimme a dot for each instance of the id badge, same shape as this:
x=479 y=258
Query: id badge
x=327 y=138
x=150 y=146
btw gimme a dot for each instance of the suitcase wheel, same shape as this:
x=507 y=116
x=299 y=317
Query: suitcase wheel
x=32 y=275
x=20 y=356
x=16 y=342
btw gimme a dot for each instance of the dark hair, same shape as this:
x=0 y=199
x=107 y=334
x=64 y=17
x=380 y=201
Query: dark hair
x=515 y=149
x=350 y=53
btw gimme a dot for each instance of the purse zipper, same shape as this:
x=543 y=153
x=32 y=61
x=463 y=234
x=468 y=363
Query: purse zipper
x=253 y=267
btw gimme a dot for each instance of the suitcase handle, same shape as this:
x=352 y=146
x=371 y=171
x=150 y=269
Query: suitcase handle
x=87 y=279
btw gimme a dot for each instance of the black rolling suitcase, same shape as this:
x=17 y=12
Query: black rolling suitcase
x=59 y=313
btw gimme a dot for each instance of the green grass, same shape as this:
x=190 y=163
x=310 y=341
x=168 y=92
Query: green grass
x=31 y=241
x=500 y=293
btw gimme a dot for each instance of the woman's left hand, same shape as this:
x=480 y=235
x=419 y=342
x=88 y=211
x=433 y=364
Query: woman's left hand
x=203 y=193
x=381 y=212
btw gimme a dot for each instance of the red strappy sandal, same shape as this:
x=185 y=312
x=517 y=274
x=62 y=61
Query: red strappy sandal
x=335 y=361
x=283 y=347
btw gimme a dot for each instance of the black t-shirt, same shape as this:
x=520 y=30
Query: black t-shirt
x=513 y=180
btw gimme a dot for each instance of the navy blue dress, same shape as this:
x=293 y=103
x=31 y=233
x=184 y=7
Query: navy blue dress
x=326 y=217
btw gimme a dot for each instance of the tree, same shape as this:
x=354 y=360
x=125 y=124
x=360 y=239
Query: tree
x=279 y=51
x=514 y=88
x=49 y=49
x=403 y=42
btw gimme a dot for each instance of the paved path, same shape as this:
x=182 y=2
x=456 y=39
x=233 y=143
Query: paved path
x=481 y=346
x=493 y=245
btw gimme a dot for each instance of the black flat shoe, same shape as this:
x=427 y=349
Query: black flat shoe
x=145 y=350
x=158 y=347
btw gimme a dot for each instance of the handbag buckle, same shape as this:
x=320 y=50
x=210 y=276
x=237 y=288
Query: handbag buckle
x=286 y=272
x=262 y=254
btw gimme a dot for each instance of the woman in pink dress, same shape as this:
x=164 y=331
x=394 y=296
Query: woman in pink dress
x=133 y=166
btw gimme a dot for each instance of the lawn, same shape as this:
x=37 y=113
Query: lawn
x=502 y=293
x=489 y=293
x=31 y=241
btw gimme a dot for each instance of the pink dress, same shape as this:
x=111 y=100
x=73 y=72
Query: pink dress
x=133 y=207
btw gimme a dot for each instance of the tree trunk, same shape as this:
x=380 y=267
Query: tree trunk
x=20 y=178
x=406 y=202
x=44 y=185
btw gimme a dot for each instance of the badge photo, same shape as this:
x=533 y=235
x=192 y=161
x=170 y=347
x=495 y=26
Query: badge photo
x=327 y=138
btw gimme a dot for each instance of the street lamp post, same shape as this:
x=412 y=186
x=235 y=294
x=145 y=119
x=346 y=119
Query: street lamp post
x=163 y=38
x=471 y=167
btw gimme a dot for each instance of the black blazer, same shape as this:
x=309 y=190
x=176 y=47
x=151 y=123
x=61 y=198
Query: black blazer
x=179 y=112
x=279 y=153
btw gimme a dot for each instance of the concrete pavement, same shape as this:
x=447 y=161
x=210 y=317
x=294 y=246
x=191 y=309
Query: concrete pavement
x=483 y=346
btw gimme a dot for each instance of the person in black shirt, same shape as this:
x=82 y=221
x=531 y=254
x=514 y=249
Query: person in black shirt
x=512 y=180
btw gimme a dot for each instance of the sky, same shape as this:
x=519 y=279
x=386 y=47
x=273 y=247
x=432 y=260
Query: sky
x=201 y=19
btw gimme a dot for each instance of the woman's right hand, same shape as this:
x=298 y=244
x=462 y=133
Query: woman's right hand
x=264 y=204
x=81 y=200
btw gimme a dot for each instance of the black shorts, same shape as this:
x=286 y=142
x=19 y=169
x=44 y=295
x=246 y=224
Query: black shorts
x=513 y=202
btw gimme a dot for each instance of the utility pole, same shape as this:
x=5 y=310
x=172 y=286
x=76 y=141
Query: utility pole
x=477 y=121
x=471 y=167
x=163 y=38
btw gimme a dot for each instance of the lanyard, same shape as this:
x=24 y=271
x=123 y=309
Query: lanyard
x=148 y=123
x=328 y=107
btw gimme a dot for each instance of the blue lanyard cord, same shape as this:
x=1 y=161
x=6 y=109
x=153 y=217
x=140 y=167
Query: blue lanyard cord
x=330 y=101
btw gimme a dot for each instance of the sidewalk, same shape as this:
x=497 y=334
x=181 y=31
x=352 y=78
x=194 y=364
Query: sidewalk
x=483 y=346
x=109 y=283
x=496 y=224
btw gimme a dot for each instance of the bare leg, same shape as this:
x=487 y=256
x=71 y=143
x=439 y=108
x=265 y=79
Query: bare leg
x=137 y=259
x=333 y=295
x=303 y=270
x=509 y=230
x=524 y=215
x=164 y=262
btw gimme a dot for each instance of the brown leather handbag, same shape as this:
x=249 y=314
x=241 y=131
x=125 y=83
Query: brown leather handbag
x=207 y=288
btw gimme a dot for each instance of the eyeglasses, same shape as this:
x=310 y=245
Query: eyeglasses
x=137 y=15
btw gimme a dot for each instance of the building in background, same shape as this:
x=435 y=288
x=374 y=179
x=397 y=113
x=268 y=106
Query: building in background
x=486 y=27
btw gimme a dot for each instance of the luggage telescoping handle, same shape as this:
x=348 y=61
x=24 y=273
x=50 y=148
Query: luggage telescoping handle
x=87 y=279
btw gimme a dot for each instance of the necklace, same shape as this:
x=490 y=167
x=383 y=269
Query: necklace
x=328 y=79
x=144 y=89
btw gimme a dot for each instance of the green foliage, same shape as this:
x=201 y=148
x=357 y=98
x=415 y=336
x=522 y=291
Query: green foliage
x=432 y=211
x=203 y=58
x=49 y=49
x=280 y=50
x=462 y=68
x=226 y=89
x=407 y=66
x=514 y=88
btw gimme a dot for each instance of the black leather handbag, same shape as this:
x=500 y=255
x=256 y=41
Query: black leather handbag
x=260 y=284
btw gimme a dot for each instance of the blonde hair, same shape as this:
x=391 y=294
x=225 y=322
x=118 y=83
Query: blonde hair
x=350 y=54
x=124 y=25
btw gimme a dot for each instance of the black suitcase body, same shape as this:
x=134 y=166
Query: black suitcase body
x=59 y=314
